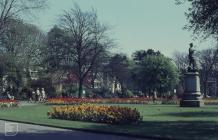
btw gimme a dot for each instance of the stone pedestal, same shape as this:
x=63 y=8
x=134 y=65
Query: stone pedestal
x=192 y=95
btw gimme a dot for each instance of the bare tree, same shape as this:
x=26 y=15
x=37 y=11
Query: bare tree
x=88 y=38
x=13 y=9
x=208 y=61
x=181 y=61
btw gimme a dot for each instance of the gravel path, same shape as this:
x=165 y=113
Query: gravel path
x=36 y=132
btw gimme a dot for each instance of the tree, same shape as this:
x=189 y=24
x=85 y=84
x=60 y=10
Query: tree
x=99 y=68
x=88 y=38
x=14 y=9
x=155 y=73
x=208 y=62
x=20 y=48
x=119 y=70
x=54 y=52
x=181 y=61
x=138 y=56
x=202 y=17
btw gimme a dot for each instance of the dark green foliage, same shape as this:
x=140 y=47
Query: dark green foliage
x=70 y=90
x=155 y=73
x=101 y=92
x=119 y=69
x=202 y=17
x=55 y=52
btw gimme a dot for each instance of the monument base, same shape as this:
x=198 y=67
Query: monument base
x=191 y=103
x=192 y=96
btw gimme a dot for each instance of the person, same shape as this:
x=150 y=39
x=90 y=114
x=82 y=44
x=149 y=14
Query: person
x=154 y=96
x=34 y=94
x=9 y=96
x=30 y=95
x=37 y=94
x=43 y=94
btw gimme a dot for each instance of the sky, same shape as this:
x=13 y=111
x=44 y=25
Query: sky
x=136 y=24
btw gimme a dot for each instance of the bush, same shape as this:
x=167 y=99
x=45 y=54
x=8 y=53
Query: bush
x=101 y=92
x=95 y=113
x=129 y=94
x=70 y=90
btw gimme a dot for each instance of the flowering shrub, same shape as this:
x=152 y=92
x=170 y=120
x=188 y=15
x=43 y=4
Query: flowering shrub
x=95 y=113
x=4 y=103
x=72 y=101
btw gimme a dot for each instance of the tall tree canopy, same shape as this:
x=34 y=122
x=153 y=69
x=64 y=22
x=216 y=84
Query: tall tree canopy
x=155 y=73
x=202 y=17
x=119 y=70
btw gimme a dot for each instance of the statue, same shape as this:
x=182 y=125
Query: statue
x=192 y=61
x=192 y=91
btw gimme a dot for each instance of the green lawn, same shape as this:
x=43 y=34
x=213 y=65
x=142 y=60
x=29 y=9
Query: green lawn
x=158 y=120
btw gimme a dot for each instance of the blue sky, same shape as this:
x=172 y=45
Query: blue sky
x=137 y=24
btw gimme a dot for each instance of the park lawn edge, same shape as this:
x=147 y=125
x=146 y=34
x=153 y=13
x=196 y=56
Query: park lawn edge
x=92 y=130
x=112 y=129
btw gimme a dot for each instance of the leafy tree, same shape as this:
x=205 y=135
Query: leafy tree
x=202 y=17
x=119 y=70
x=20 y=48
x=99 y=68
x=155 y=73
x=54 y=53
x=138 y=56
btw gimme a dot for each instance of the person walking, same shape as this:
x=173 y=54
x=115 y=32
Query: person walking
x=37 y=94
x=43 y=94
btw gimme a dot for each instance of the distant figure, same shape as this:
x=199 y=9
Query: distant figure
x=9 y=96
x=43 y=94
x=34 y=94
x=154 y=96
x=30 y=95
x=37 y=94
x=192 y=63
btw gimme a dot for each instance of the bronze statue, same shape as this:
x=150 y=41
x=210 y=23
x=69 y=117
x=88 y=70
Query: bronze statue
x=192 y=61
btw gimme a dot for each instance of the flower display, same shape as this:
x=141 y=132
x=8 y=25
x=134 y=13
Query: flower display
x=211 y=101
x=5 y=103
x=72 y=101
x=96 y=113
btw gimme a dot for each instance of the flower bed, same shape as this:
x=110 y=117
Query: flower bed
x=5 y=103
x=72 y=101
x=210 y=101
x=143 y=100
x=95 y=113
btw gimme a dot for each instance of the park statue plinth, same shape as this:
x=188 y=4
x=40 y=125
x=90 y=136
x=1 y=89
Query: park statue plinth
x=192 y=94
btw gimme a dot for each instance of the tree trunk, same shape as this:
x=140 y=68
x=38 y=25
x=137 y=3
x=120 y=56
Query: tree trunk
x=123 y=89
x=205 y=88
x=80 y=88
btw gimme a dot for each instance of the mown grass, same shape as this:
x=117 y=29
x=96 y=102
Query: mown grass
x=168 y=121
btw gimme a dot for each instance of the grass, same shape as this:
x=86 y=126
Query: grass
x=167 y=121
